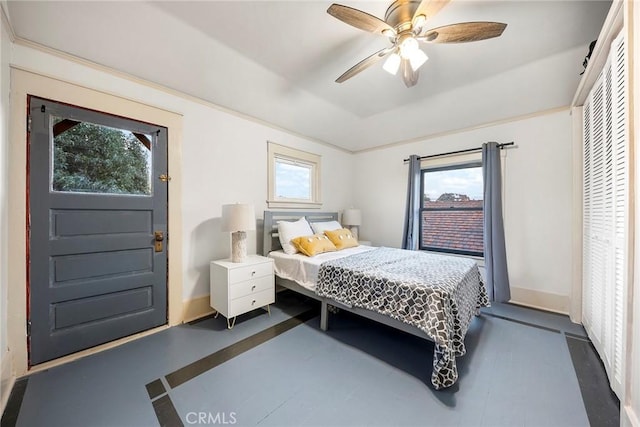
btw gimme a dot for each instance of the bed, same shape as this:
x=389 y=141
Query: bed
x=428 y=295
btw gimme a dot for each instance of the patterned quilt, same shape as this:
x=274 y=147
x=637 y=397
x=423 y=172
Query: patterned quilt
x=436 y=293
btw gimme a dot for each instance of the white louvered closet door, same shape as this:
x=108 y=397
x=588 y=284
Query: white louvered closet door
x=606 y=213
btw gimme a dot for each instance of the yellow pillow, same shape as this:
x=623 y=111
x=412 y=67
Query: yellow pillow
x=342 y=238
x=313 y=245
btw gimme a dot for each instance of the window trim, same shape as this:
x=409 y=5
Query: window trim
x=275 y=152
x=451 y=166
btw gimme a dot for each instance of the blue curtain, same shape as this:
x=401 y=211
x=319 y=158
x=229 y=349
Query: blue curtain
x=411 y=237
x=495 y=254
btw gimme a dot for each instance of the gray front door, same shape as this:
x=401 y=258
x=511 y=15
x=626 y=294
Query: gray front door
x=97 y=228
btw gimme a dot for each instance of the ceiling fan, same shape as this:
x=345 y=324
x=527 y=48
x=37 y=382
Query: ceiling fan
x=404 y=25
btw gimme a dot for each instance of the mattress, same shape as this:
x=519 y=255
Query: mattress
x=438 y=294
x=303 y=269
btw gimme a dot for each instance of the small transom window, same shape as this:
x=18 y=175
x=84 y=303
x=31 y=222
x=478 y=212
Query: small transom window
x=294 y=178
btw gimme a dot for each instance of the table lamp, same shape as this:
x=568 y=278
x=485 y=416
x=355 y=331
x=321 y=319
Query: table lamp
x=238 y=219
x=352 y=218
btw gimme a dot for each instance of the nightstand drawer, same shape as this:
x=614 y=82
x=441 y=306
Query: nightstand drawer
x=241 y=274
x=248 y=303
x=248 y=287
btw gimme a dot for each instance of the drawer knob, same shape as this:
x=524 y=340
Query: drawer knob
x=253 y=302
x=253 y=273
x=253 y=288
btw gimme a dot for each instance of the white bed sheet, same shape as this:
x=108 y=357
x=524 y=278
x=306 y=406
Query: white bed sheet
x=303 y=269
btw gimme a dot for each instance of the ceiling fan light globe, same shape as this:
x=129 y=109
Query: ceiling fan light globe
x=417 y=59
x=389 y=33
x=417 y=23
x=408 y=46
x=392 y=64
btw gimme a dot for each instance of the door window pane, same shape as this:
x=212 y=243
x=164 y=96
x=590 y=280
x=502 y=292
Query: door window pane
x=93 y=158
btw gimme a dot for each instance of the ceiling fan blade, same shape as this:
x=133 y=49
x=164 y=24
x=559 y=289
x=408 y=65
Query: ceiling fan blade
x=464 y=32
x=365 y=63
x=358 y=19
x=429 y=8
x=409 y=76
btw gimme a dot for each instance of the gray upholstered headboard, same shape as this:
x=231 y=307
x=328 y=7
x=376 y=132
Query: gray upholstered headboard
x=271 y=241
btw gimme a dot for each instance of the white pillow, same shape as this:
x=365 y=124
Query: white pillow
x=288 y=230
x=321 y=227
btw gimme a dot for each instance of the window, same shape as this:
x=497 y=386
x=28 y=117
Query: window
x=294 y=178
x=451 y=213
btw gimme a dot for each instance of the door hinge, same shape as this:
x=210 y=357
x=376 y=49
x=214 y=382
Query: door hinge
x=28 y=123
x=28 y=328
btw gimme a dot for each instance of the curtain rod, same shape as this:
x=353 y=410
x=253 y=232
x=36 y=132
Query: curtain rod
x=468 y=150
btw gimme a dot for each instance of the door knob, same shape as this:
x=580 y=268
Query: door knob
x=159 y=237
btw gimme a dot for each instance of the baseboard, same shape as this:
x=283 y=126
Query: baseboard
x=196 y=308
x=7 y=379
x=541 y=300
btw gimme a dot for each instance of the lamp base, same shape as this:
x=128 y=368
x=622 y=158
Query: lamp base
x=238 y=246
x=354 y=231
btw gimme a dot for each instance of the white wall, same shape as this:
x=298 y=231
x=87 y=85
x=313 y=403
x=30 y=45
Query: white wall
x=5 y=366
x=224 y=160
x=227 y=163
x=537 y=200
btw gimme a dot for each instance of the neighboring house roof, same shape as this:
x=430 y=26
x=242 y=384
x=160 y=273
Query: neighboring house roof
x=457 y=204
x=453 y=229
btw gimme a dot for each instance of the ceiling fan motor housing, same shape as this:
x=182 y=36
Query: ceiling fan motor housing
x=400 y=13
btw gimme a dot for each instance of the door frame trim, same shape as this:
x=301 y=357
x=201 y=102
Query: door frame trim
x=25 y=83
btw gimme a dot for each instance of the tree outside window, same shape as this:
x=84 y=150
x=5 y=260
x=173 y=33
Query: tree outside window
x=93 y=158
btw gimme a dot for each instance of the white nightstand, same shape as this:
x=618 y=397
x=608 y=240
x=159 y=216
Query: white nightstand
x=239 y=287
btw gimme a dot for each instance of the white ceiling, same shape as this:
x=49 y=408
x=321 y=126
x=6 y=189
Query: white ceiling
x=277 y=60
